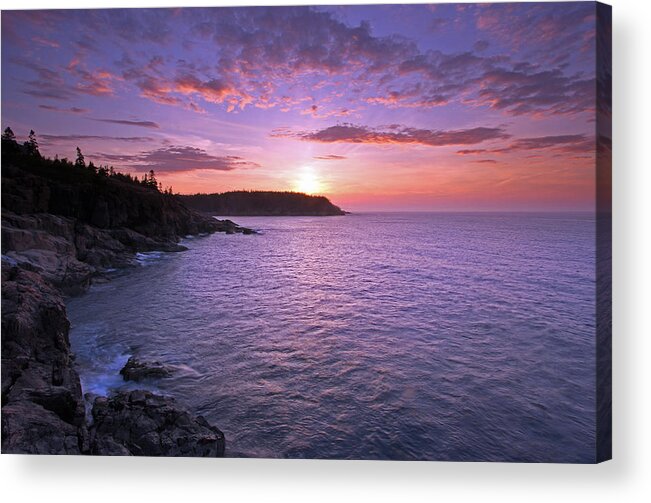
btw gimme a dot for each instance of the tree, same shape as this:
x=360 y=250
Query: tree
x=8 y=135
x=80 y=162
x=31 y=145
x=9 y=141
x=153 y=183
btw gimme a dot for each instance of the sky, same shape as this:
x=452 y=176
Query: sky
x=448 y=107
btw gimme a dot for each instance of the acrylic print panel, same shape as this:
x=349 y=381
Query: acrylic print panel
x=344 y=232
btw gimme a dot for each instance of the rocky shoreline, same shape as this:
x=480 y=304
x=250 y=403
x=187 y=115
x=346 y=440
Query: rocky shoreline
x=44 y=258
x=59 y=235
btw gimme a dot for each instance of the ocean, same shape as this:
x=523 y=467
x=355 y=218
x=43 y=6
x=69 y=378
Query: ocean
x=412 y=336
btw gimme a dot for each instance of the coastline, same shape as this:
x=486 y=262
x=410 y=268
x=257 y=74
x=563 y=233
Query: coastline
x=65 y=227
x=43 y=404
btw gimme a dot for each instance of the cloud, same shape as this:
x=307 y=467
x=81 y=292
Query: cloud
x=316 y=112
x=47 y=84
x=95 y=83
x=133 y=25
x=262 y=49
x=437 y=23
x=71 y=110
x=178 y=158
x=575 y=143
x=267 y=57
x=213 y=90
x=125 y=122
x=84 y=137
x=330 y=157
x=567 y=143
x=46 y=42
x=542 y=29
x=471 y=151
x=264 y=52
x=413 y=96
x=524 y=91
x=396 y=134
x=153 y=89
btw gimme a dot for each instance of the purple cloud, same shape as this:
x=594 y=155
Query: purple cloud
x=525 y=91
x=125 y=122
x=47 y=84
x=575 y=143
x=396 y=134
x=71 y=110
x=262 y=53
x=178 y=158
x=52 y=138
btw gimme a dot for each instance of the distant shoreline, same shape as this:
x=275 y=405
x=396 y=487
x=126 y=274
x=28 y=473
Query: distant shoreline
x=222 y=216
x=258 y=203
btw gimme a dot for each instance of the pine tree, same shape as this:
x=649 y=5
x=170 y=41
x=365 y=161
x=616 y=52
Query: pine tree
x=8 y=135
x=9 y=141
x=153 y=183
x=80 y=162
x=32 y=145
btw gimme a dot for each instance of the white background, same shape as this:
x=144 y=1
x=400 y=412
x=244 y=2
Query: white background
x=626 y=478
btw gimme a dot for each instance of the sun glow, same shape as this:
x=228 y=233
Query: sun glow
x=308 y=182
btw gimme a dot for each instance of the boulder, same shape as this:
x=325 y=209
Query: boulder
x=136 y=370
x=141 y=423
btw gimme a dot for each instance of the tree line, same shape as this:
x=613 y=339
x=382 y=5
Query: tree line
x=257 y=202
x=29 y=151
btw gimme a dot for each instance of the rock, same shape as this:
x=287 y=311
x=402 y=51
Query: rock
x=144 y=424
x=28 y=428
x=42 y=405
x=45 y=243
x=135 y=370
x=64 y=271
x=230 y=227
x=98 y=248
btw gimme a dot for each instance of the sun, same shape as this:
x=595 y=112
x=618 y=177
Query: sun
x=308 y=182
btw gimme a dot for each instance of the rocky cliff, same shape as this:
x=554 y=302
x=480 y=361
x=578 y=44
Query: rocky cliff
x=62 y=226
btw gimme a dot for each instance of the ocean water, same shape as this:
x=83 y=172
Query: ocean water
x=419 y=336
